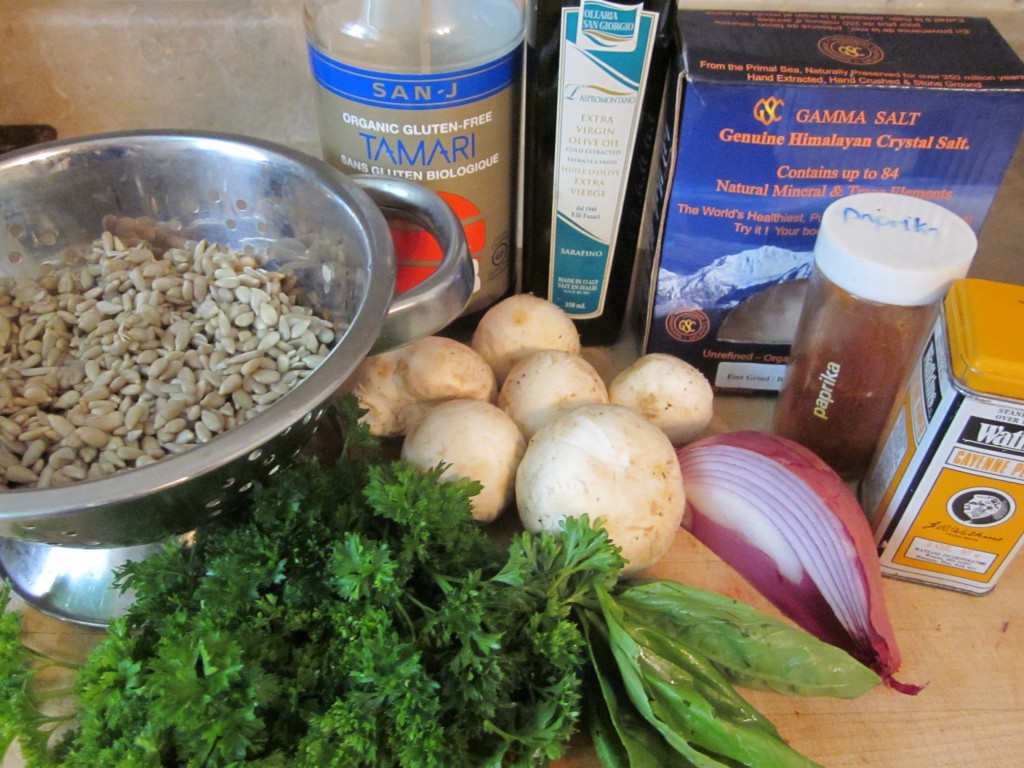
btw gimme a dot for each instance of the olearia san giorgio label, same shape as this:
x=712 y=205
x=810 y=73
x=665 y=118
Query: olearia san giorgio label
x=605 y=57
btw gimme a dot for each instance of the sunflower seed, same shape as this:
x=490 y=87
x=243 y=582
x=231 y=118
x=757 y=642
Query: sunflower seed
x=118 y=361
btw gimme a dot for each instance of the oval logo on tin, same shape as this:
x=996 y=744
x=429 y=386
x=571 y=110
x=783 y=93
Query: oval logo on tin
x=981 y=507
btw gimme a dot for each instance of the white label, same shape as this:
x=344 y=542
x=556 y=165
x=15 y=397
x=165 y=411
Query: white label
x=750 y=376
x=605 y=57
x=951 y=556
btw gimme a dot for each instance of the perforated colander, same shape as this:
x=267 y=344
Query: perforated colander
x=297 y=212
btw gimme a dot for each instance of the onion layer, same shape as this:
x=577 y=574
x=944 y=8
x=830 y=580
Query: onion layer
x=788 y=523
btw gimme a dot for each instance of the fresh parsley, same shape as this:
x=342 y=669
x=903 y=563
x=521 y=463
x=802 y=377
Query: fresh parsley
x=357 y=615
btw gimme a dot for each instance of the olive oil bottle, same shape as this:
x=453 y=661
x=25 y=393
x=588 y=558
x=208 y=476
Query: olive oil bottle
x=595 y=77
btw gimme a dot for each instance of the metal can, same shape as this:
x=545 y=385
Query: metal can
x=945 y=489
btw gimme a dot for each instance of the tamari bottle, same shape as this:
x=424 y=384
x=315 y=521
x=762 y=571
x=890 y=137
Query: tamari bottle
x=595 y=77
x=882 y=264
x=428 y=91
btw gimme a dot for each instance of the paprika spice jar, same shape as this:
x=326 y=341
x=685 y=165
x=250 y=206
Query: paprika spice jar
x=882 y=264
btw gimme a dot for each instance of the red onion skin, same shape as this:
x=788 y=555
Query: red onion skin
x=803 y=602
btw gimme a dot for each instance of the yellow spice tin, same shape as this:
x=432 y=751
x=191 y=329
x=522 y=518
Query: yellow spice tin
x=945 y=490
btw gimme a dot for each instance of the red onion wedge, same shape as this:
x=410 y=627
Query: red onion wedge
x=788 y=523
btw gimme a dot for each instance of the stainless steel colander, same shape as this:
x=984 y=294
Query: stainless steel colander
x=302 y=216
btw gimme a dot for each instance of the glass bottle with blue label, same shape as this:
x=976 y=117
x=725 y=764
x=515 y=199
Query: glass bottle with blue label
x=427 y=91
x=594 y=87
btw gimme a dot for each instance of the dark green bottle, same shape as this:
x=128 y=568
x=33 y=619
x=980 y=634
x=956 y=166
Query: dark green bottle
x=595 y=77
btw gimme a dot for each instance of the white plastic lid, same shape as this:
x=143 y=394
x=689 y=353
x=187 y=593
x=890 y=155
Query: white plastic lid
x=893 y=249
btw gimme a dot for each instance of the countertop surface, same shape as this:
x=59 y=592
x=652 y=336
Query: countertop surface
x=965 y=650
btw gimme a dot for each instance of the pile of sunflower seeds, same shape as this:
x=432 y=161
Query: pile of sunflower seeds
x=136 y=354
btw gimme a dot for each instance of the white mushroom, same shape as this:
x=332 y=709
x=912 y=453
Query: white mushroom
x=547 y=383
x=399 y=386
x=667 y=391
x=479 y=442
x=520 y=325
x=608 y=462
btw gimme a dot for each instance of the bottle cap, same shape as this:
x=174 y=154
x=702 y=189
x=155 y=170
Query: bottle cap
x=893 y=249
x=984 y=355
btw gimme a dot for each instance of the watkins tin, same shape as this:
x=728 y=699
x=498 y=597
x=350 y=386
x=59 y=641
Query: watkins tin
x=945 y=491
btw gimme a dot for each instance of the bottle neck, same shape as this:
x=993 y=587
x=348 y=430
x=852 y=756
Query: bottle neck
x=403 y=19
x=425 y=36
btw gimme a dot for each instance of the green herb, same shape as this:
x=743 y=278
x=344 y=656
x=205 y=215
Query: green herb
x=16 y=706
x=356 y=615
x=24 y=712
x=677 y=652
x=749 y=648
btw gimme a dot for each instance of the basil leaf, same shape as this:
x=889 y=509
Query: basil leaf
x=751 y=648
x=670 y=698
x=620 y=735
x=704 y=676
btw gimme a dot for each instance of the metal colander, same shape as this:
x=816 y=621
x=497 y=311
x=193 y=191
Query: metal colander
x=298 y=213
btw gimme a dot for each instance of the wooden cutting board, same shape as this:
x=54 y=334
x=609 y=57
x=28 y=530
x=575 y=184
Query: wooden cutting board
x=968 y=651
